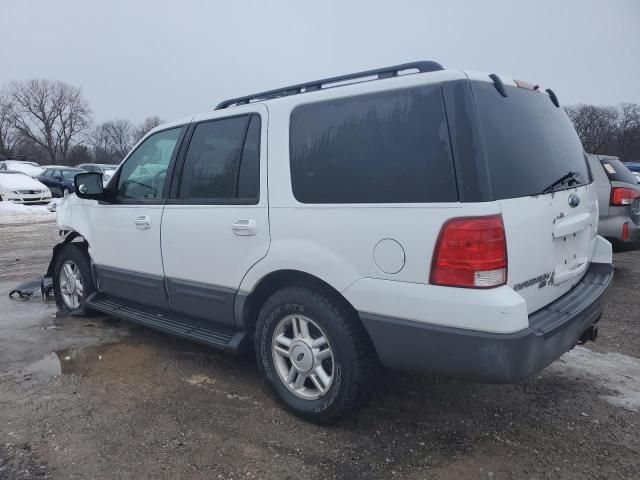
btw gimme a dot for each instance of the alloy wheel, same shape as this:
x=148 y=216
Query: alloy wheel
x=303 y=357
x=71 y=285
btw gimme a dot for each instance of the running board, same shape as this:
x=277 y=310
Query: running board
x=167 y=322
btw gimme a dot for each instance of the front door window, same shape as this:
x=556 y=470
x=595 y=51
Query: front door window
x=143 y=174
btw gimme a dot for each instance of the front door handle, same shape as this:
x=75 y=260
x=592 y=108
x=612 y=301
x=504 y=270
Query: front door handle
x=143 y=222
x=245 y=227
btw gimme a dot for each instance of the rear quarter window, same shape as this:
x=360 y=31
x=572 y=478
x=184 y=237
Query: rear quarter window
x=388 y=147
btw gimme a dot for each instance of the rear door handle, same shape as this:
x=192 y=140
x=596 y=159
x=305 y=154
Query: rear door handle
x=245 y=227
x=143 y=222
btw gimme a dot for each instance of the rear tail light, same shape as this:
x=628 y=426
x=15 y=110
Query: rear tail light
x=471 y=253
x=621 y=196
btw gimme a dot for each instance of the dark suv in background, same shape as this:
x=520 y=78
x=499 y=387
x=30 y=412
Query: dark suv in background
x=619 y=202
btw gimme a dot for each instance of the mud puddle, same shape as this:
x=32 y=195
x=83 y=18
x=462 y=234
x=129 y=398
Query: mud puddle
x=103 y=360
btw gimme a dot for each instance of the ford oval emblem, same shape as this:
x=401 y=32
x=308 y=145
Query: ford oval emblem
x=574 y=200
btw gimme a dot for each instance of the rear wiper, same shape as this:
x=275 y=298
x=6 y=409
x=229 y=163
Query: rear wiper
x=568 y=178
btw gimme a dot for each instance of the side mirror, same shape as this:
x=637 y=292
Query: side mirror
x=89 y=185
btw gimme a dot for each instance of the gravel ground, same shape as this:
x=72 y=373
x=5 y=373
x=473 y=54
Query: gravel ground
x=96 y=398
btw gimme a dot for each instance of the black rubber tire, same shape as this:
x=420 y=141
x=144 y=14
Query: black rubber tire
x=77 y=252
x=355 y=361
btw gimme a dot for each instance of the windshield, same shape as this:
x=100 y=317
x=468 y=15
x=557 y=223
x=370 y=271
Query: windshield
x=530 y=143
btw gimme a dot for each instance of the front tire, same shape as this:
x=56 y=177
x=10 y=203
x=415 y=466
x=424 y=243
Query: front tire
x=72 y=280
x=314 y=353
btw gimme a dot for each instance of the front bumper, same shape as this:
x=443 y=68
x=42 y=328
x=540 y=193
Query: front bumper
x=493 y=357
x=29 y=199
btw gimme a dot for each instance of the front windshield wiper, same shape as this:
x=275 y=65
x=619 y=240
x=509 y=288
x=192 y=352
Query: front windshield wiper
x=568 y=178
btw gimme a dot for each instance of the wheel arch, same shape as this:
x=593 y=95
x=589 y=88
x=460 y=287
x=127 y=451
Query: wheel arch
x=69 y=237
x=247 y=305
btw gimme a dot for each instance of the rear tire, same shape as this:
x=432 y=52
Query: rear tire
x=72 y=280
x=315 y=354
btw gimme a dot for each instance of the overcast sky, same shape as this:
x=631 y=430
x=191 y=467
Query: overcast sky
x=135 y=58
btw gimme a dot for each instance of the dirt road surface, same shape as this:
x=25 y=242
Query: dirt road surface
x=96 y=398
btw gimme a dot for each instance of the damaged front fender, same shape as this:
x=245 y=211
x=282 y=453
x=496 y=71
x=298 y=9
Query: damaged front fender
x=69 y=237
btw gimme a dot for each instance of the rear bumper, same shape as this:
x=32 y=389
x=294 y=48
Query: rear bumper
x=493 y=357
x=611 y=227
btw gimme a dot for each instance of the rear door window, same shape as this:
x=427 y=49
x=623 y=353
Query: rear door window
x=388 y=147
x=222 y=161
x=530 y=143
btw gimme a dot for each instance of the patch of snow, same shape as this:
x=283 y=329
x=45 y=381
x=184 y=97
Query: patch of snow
x=16 y=213
x=614 y=371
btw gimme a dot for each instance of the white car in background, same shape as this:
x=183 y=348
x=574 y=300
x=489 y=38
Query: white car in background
x=29 y=168
x=18 y=187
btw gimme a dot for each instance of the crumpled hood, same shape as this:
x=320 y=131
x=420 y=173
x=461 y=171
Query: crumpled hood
x=70 y=218
x=19 y=181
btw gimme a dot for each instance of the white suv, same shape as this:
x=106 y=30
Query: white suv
x=409 y=217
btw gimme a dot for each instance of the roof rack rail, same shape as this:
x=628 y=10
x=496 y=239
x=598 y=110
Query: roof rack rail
x=380 y=73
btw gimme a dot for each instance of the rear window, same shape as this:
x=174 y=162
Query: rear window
x=390 y=147
x=530 y=143
x=617 y=172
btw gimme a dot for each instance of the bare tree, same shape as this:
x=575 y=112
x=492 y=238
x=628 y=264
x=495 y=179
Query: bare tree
x=79 y=153
x=596 y=125
x=8 y=136
x=120 y=133
x=50 y=113
x=608 y=130
x=99 y=140
x=143 y=128
x=111 y=140
x=628 y=132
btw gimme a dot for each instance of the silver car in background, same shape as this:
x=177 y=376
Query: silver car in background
x=619 y=202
